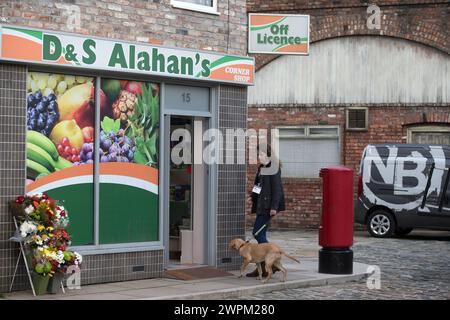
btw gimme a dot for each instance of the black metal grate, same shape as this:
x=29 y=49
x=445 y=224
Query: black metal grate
x=357 y=119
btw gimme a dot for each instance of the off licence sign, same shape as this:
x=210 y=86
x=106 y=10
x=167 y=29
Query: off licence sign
x=278 y=34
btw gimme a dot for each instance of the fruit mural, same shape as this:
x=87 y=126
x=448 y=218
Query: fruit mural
x=128 y=140
x=61 y=152
x=60 y=121
x=57 y=105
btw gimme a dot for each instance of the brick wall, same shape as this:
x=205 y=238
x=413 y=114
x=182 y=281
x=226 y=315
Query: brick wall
x=422 y=21
x=426 y=22
x=281 y=5
x=154 y=21
x=386 y=124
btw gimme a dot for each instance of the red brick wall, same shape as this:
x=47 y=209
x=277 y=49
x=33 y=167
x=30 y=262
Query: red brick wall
x=303 y=203
x=282 y=5
x=422 y=21
x=386 y=124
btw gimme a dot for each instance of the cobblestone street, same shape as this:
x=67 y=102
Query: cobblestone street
x=414 y=267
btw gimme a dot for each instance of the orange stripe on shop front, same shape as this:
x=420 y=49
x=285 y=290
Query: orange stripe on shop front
x=294 y=48
x=256 y=21
x=21 y=49
x=221 y=74
x=71 y=172
x=132 y=170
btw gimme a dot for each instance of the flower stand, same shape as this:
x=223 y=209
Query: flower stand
x=43 y=239
x=40 y=283
x=27 y=258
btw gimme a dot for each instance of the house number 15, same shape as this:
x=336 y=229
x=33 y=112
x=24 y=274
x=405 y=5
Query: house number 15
x=186 y=97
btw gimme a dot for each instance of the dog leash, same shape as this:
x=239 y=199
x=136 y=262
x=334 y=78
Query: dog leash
x=260 y=229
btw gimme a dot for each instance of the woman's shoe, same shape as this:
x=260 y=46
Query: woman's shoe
x=263 y=267
x=253 y=274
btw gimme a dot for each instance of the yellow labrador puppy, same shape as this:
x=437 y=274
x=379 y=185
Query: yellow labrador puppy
x=256 y=253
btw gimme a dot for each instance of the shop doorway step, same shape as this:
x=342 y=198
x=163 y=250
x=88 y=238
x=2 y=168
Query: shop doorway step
x=196 y=273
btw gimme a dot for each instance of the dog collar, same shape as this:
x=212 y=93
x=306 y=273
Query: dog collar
x=242 y=245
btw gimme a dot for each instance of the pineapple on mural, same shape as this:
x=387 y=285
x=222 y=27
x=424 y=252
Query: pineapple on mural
x=124 y=106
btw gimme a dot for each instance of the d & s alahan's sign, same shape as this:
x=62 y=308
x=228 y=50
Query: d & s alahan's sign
x=47 y=47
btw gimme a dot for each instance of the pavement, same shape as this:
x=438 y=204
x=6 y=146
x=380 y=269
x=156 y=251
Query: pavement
x=413 y=267
x=231 y=287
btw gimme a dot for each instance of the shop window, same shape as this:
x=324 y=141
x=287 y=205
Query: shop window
x=207 y=6
x=60 y=139
x=62 y=153
x=305 y=150
x=128 y=155
x=436 y=135
x=357 y=119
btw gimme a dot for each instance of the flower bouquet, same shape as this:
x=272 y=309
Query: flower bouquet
x=61 y=261
x=43 y=270
x=42 y=230
x=40 y=208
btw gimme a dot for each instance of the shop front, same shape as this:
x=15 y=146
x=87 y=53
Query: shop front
x=96 y=124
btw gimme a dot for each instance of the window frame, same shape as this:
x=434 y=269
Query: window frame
x=293 y=136
x=179 y=4
x=96 y=247
x=308 y=135
x=347 y=122
x=319 y=136
x=307 y=132
x=425 y=128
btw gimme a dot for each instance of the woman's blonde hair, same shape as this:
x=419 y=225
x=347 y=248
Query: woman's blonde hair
x=267 y=149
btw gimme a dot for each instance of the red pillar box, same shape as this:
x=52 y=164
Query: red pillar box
x=336 y=229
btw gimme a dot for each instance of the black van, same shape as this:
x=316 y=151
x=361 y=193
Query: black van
x=402 y=187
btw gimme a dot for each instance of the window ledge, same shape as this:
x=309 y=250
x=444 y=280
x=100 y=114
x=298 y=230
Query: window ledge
x=106 y=249
x=194 y=7
x=357 y=129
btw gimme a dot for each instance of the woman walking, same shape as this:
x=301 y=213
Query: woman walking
x=267 y=199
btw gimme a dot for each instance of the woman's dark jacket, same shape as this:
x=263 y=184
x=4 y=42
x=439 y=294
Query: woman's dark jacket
x=271 y=196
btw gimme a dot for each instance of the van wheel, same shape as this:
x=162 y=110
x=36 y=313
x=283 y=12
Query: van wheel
x=403 y=232
x=381 y=224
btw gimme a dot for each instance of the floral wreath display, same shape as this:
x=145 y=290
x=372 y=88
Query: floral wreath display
x=42 y=224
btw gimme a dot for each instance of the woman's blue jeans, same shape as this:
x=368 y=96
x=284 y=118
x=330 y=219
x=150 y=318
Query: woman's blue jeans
x=261 y=219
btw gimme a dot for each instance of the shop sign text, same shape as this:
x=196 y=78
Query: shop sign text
x=278 y=34
x=18 y=44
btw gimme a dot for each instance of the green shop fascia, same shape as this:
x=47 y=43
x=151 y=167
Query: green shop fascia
x=99 y=116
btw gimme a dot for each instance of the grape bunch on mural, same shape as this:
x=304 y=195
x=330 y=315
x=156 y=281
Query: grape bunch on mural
x=61 y=122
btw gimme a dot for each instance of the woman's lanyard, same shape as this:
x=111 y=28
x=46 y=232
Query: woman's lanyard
x=257 y=187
